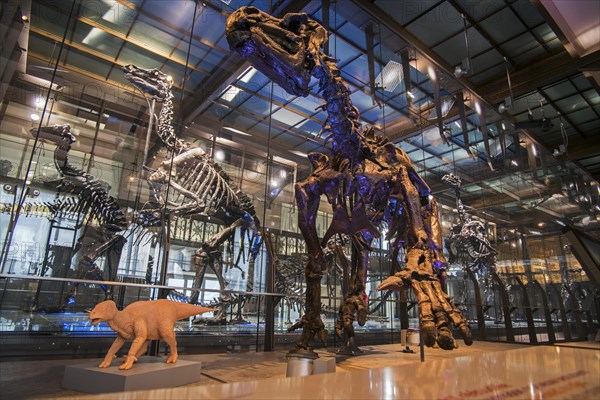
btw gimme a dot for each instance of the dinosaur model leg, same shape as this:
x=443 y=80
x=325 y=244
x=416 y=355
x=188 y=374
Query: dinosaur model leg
x=138 y=344
x=169 y=337
x=143 y=349
x=307 y=199
x=112 y=351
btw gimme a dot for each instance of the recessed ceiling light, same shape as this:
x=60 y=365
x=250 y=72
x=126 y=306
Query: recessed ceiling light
x=219 y=155
x=227 y=128
x=298 y=153
x=34 y=117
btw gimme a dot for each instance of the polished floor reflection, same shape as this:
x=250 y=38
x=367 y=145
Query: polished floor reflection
x=482 y=371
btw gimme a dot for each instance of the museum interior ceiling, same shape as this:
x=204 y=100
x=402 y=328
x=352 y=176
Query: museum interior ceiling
x=516 y=82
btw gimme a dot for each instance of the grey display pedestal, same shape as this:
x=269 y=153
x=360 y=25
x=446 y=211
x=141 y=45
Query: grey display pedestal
x=148 y=373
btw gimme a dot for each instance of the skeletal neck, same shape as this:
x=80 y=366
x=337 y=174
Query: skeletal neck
x=61 y=160
x=462 y=214
x=165 y=128
x=342 y=124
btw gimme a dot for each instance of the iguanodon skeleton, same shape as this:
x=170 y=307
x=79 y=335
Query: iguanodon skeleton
x=193 y=182
x=368 y=181
x=92 y=201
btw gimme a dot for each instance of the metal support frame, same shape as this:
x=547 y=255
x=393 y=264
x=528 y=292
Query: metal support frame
x=510 y=335
x=478 y=305
x=547 y=313
x=563 y=314
x=528 y=311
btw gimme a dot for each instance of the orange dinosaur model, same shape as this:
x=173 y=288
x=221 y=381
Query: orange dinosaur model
x=142 y=321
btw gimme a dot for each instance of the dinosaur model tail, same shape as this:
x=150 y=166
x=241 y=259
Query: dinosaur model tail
x=185 y=310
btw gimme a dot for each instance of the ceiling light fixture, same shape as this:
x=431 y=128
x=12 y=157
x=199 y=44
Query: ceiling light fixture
x=431 y=73
x=229 y=93
x=465 y=66
x=34 y=117
x=227 y=128
x=410 y=94
x=298 y=153
x=390 y=76
x=247 y=74
x=219 y=155
x=446 y=106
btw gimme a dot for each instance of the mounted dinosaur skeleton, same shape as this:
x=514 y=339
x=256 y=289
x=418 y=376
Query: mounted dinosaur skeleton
x=468 y=242
x=198 y=185
x=93 y=202
x=469 y=246
x=369 y=182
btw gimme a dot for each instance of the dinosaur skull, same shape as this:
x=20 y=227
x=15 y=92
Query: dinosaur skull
x=103 y=312
x=151 y=81
x=452 y=180
x=58 y=134
x=286 y=50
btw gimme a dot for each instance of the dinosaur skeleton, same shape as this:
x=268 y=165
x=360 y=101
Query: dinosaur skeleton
x=468 y=243
x=64 y=207
x=200 y=186
x=93 y=202
x=368 y=181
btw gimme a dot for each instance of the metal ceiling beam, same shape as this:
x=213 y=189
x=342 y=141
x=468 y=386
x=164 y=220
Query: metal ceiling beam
x=126 y=38
x=422 y=48
x=277 y=124
x=543 y=72
x=94 y=53
x=81 y=72
x=482 y=32
x=278 y=104
x=583 y=149
x=557 y=108
x=540 y=73
x=178 y=28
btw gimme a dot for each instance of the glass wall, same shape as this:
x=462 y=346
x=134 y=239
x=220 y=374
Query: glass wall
x=53 y=227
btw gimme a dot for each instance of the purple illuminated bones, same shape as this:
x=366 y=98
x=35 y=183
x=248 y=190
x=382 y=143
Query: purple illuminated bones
x=369 y=182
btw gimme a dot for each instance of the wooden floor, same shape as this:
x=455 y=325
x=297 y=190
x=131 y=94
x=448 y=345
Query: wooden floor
x=42 y=379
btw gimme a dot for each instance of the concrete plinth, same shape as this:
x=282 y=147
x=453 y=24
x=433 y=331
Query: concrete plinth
x=323 y=365
x=147 y=373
